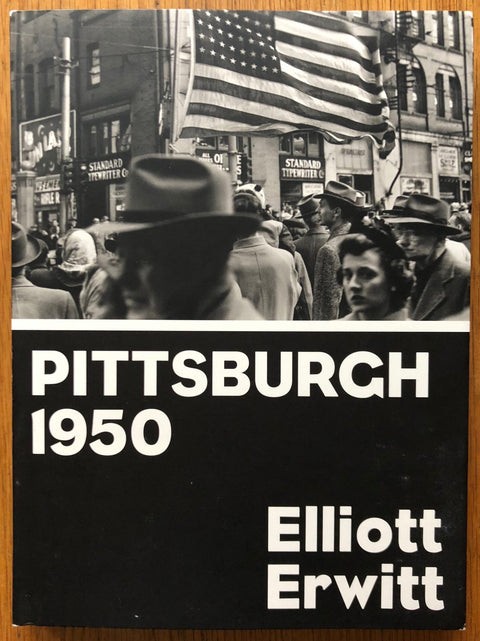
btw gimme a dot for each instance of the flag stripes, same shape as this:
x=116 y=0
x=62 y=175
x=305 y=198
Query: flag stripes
x=260 y=72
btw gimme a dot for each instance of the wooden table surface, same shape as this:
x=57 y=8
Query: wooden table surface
x=10 y=633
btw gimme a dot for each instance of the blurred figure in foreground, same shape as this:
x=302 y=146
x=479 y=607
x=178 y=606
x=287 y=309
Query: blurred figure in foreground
x=174 y=242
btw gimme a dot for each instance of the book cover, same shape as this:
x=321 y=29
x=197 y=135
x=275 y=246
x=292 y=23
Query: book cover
x=199 y=442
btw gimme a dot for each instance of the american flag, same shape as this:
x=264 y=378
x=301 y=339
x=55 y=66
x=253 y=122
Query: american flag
x=270 y=73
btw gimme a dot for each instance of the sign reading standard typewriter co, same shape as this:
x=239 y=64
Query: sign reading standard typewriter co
x=240 y=479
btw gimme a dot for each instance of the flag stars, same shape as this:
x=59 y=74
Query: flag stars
x=243 y=63
x=233 y=61
x=210 y=26
x=212 y=39
x=222 y=44
x=232 y=48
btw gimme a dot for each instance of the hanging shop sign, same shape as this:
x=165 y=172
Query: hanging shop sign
x=415 y=185
x=220 y=159
x=109 y=169
x=41 y=143
x=47 y=191
x=302 y=168
x=448 y=160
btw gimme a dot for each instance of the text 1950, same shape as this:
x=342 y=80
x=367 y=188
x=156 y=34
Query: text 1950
x=68 y=427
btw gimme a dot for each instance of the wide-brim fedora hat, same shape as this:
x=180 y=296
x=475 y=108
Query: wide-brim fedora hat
x=398 y=206
x=421 y=209
x=308 y=206
x=25 y=248
x=168 y=191
x=341 y=193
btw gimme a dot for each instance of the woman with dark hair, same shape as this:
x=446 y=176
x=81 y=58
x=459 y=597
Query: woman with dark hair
x=375 y=276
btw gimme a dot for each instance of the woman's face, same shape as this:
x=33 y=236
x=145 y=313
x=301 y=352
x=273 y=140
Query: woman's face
x=365 y=284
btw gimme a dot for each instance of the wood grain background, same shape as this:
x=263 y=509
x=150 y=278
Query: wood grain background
x=10 y=633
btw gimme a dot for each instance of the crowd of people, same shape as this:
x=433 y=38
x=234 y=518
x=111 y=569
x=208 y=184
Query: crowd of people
x=189 y=248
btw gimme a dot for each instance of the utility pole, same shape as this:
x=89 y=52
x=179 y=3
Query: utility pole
x=232 y=159
x=65 y=69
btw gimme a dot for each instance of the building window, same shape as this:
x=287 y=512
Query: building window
x=419 y=91
x=440 y=95
x=455 y=98
x=438 y=28
x=107 y=137
x=359 y=15
x=46 y=86
x=418 y=26
x=302 y=144
x=453 y=30
x=94 y=71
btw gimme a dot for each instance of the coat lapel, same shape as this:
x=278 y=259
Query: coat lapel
x=434 y=291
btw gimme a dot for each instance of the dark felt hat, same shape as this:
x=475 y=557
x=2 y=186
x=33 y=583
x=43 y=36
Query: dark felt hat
x=308 y=206
x=341 y=193
x=25 y=248
x=421 y=209
x=165 y=191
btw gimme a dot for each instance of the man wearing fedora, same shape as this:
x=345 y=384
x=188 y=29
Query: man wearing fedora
x=340 y=213
x=174 y=241
x=316 y=236
x=442 y=284
x=28 y=300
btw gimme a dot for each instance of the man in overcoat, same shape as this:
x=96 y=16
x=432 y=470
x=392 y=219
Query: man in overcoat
x=442 y=285
x=338 y=212
x=266 y=275
x=316 y=236
x=28 y=300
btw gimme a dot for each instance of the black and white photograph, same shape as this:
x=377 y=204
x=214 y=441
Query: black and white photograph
x=262 y=168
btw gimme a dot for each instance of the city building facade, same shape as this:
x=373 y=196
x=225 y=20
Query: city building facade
x=126 y=74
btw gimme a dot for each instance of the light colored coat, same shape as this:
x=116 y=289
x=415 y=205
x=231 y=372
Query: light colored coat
x=266 y=276
x=30 y=301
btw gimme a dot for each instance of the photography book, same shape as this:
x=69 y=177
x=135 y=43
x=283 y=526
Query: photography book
x=195 y=472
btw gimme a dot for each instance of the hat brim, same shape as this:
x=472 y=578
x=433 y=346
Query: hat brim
x=33 y=252
x=341 y=200
x=449 y=231
x=238 y=223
